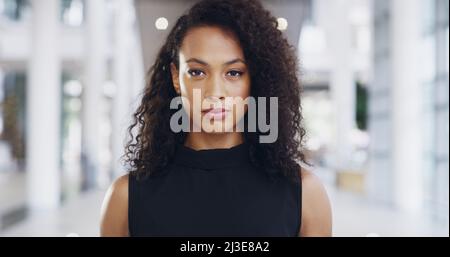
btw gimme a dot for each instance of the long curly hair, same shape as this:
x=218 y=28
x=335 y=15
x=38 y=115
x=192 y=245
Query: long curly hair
x=273 y=70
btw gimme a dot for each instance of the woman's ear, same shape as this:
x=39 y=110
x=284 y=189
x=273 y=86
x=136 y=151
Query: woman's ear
x=175 y=78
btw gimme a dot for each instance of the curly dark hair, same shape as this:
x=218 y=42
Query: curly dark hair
x=273 y=69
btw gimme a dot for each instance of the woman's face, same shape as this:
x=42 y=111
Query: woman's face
x=212 y=79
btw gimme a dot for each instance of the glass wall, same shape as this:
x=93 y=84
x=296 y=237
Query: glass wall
x=14 y=10
x=434 y=80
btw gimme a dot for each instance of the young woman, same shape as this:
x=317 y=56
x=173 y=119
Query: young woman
x=219 y=182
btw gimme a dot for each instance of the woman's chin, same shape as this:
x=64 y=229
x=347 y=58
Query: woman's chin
x=217 y=127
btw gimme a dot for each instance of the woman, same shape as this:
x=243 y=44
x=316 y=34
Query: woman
x=214 y=179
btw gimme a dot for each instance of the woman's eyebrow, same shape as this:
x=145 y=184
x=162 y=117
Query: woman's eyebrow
x=235 y=61
x=196 y=60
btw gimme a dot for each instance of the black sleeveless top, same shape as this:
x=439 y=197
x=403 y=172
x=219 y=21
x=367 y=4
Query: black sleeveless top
x=215 y=192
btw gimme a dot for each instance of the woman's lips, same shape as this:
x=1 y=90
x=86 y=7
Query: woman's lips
x=215 y=113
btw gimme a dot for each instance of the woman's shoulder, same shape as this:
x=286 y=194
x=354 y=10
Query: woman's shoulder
x=119 y=188
x=310 y=181
x=121 y=183
x=316 y=209
x=114 y=217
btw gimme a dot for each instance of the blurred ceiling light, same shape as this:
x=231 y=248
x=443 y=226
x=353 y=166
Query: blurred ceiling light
x=282 y=23
x=73 y=88
x=161 y=23
x=73 y=16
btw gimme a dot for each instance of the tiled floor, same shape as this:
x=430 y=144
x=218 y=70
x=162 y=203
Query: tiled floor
x=80 y=217
x=352 y=216
x=355 y=216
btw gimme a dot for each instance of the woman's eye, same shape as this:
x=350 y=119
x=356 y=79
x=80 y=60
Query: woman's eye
x=195 y=73
x=234 y=73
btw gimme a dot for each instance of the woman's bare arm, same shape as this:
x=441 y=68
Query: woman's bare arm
x=114 y=214
x=316 y=209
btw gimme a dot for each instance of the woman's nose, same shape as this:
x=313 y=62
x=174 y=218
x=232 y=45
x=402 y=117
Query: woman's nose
x=215 y=89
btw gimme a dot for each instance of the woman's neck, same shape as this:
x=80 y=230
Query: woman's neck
x=204 y=141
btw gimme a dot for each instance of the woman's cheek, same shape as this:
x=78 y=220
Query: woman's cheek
x=242 y=91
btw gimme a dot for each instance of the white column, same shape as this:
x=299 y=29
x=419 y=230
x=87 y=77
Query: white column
x=122 y=79
x=342 y=83
x=407 y=152
x=43 y=108
x=95 y=74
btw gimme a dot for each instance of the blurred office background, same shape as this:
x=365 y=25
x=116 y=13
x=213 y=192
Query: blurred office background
x=376 y=105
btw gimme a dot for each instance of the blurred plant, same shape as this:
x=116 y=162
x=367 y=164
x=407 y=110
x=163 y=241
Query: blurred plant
x=13 y=107
x=361 y=106
x=13 y=9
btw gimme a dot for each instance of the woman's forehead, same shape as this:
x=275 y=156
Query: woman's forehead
x=210 y=44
